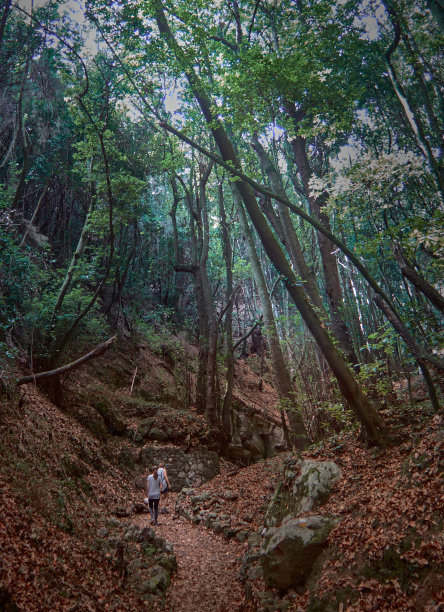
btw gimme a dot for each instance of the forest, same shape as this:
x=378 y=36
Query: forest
x=224 y=183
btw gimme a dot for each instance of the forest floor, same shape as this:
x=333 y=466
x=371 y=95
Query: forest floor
x=60 y=487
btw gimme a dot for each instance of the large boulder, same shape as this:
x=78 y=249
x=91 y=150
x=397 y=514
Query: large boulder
x=289 y=551
x=254 y=437
x=306 y=485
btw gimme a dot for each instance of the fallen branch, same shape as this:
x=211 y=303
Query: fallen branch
x=99 y=350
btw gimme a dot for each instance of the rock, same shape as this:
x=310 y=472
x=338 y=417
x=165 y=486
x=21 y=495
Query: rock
x=254 y=437
x=132 y=533
x=110 y=416
x=254 y=572
x=140 y=507
x=307 y=486
x=148 y=535
x=158 y=582
x=127 y=457
x=314 y=483
x=231 y=495
x=144 y=429
x=242 y=535
x=122 y=512
x=103 y=532
x=254 y=540
x=158 y=434
x=168 y=562
x=289 y=551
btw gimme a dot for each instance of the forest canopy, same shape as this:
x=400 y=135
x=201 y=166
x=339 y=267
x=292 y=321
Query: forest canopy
x=265 y=174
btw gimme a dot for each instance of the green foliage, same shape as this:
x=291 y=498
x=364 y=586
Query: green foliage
x=80 y=138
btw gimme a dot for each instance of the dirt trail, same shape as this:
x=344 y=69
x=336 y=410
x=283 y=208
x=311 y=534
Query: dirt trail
x=208 y=566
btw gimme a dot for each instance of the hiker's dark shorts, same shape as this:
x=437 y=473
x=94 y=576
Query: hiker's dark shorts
x=166 y=488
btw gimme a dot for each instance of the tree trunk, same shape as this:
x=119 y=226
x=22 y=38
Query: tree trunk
x=99 y=350
x=229 y=357
x=211 y=413
x=298 y=437
x=194 y=268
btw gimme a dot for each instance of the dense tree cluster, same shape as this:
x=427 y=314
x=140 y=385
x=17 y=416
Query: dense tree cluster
x=228 y=167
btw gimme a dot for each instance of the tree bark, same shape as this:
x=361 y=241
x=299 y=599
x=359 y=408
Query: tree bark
x=194 y=268
x=211 y=413
x=229 y=356
x=236 y=171
x=3 y=19
x=437 y=9
x=411 y=116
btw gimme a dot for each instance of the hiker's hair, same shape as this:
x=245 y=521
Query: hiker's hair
x=154 y=468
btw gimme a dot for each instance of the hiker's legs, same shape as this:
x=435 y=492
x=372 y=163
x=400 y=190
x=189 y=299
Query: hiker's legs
x=151 y=504
x=156 y=510
x=164 y=500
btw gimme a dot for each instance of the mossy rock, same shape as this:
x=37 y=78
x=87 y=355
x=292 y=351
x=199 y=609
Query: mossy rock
x=305 y=485
x=144 y=430
x=159 y=581
x=127 y=458
x=168 y=562
x=158 y=434
x=113 y=423
x=289 y=552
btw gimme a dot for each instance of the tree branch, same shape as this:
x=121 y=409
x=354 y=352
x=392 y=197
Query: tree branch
x=99 y=350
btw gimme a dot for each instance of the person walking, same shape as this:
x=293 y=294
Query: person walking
x=154 y=494
x=164 y=485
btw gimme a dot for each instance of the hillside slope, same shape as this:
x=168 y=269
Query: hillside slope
x=74 y=534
